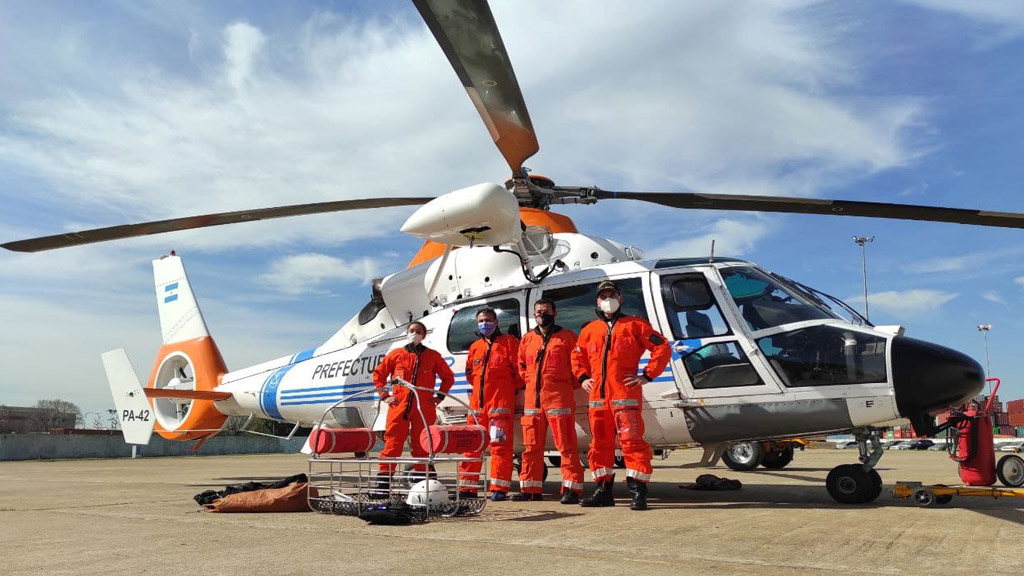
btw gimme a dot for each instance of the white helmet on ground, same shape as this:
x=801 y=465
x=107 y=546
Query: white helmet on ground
x=427 y=493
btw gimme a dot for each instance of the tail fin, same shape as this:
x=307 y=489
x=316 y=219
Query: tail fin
x=180 y=318
x=133 y=410
x=188 y=360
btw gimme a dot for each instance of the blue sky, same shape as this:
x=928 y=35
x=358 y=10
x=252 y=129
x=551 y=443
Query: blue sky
x=116 y=112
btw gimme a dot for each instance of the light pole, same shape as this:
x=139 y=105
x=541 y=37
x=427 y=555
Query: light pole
x=861 y=241
x=984 y=328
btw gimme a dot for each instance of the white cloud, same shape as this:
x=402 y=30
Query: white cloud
x=308 y=273
x=993 y=296
x=242 y=44
x=981 y=262
x=908 y=303
x=1007 y=17
x=1019 y=281
x=733 y=237
x=342 y=109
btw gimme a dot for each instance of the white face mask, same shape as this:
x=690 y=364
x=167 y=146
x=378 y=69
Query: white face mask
x=414 y=338
x=609 y=305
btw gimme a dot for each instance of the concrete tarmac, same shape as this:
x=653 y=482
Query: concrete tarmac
x=122 y=516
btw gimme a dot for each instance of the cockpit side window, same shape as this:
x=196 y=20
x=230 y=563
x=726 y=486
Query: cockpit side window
x=825 y=356
x=764 y=302
x=462 y=330
x=577 y=304
x=720 y=365
x=692 y=311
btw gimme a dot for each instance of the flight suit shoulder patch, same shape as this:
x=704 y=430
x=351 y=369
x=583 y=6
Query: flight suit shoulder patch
x=656 y=340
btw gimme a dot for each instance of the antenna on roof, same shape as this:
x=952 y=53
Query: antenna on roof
x=711 y=258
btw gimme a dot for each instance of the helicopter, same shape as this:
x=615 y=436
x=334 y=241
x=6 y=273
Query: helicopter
x=756 y=355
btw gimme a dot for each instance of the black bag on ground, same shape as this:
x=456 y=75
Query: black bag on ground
x=208 y=496
x=712 y=482
x=391 y=514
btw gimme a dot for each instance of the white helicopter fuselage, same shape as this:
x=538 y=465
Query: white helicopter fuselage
x=742 y=396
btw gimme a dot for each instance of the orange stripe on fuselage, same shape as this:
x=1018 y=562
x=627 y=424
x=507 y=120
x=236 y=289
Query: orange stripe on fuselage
x=558 y=223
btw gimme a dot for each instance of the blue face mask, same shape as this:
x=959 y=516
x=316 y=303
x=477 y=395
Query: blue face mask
x=486 y=328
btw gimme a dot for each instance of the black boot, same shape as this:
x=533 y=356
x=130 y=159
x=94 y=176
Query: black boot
x=602 y=496
x=569 y=496
x=639 y=491
x=383 y=489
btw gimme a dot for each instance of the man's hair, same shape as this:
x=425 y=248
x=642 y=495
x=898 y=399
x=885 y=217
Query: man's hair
x=547 y=301
x=417 y=323
x=486 y=310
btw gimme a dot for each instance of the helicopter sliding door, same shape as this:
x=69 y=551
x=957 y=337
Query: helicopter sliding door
x=462 y=332
x=576 y=307
x=710 y=356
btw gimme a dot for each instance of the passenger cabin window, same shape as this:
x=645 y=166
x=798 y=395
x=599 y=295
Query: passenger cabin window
x=462 y=330
x=825 y=356
x=692 y=311
x=577 y=305
x=765 y=302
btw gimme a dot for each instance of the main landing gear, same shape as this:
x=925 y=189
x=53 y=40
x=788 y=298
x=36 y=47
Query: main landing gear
x=858 y=483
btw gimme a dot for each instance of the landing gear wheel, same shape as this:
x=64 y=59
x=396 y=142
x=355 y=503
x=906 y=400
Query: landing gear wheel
x=1010 y=471
x=620 y=461
x=743 y=456
x=876 y=480
x=923 y=497
x=851 y=484
x=777 y=459
x=555 y=461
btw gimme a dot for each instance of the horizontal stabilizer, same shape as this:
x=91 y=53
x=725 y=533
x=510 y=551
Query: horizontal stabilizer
x=133 y=410
x=186 y=394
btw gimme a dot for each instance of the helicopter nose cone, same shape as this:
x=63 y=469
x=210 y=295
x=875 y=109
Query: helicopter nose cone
x=929 y=378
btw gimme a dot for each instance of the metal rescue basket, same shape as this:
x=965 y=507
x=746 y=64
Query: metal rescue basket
x=418 y=489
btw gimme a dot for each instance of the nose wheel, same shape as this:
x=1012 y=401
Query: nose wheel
x=852 y=484
x=858 y=483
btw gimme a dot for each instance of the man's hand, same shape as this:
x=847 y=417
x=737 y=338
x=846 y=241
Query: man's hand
x=438 y=399
x=588 y=384
x=390 y=400
x=634 y=380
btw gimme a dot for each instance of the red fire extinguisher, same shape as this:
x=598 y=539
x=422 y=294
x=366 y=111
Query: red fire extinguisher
x=974 y=448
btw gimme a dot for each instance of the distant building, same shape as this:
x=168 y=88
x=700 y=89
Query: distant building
x=24 y=419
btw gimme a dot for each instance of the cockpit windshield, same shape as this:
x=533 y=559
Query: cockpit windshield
x=765 y=301
x=835 y=305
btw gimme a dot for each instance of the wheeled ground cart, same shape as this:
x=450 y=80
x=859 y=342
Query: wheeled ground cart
x=939 y=494
x=971 y=446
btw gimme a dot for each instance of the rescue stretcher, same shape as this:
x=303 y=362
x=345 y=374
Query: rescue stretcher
x=421 y=488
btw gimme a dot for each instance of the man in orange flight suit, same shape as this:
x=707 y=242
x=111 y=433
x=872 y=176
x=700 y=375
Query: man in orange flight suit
x=420 y=366
x=545 y=364
x=607 y=361
x=491 y=370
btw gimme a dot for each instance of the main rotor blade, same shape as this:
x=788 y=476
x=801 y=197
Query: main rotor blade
x=160 y=226
x=786 y=205
x=466 y=31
